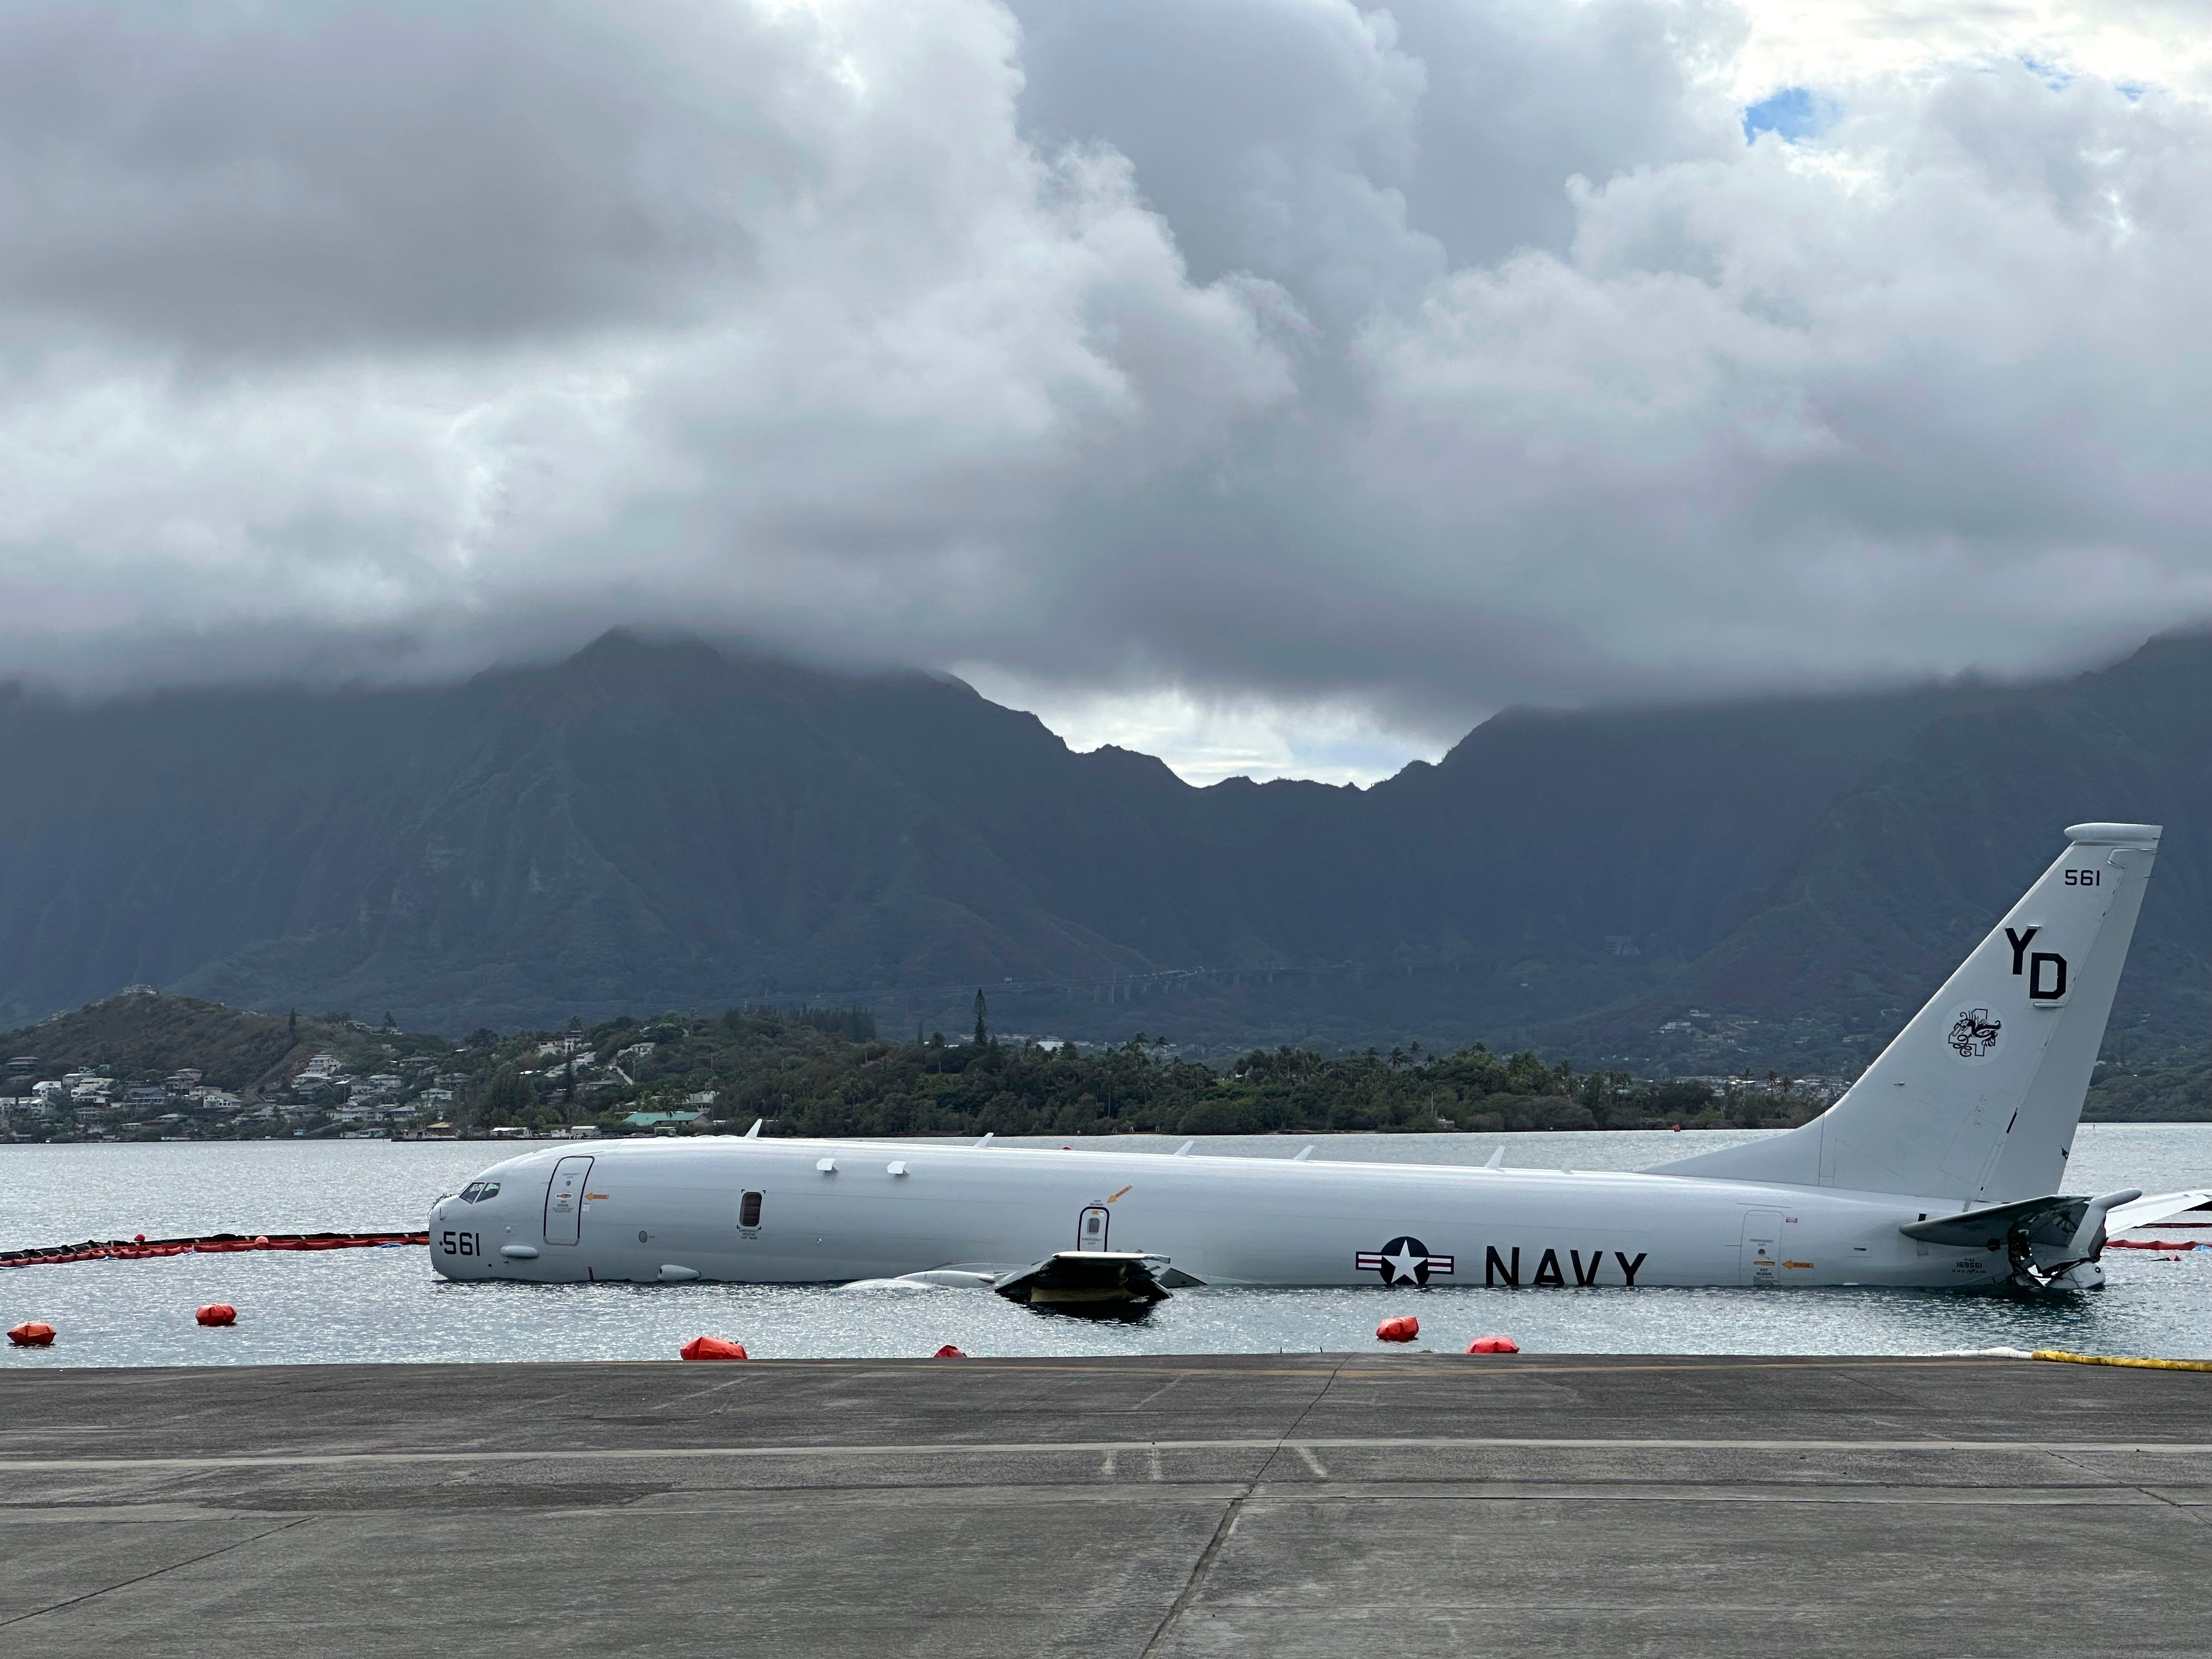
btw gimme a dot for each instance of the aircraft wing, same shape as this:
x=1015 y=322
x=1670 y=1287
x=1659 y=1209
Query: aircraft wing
x=1110 y=1277
x=2161 y=1209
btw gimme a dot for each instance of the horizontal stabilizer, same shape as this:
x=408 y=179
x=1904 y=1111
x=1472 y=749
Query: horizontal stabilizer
x=2162 y=1209
x=2051 y=1243
x=2048 y=1221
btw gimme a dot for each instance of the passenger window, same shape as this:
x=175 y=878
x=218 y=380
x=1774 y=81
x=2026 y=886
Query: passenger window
x=749 y=1209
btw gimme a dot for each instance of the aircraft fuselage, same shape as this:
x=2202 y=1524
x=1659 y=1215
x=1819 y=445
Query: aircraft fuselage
x=760 y=1210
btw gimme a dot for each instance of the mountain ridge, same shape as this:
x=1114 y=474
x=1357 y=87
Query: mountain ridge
x=664 y=823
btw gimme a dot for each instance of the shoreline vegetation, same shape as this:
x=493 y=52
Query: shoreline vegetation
x=145 y=1066
x=1013 y=1087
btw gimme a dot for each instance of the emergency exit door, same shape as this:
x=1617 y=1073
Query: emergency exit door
x=1762 y=1247
x=1090 y=1229
x=564 y=1200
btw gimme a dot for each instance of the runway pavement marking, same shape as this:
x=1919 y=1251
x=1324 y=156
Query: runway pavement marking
x=750 y=1499
x=1088 y=1448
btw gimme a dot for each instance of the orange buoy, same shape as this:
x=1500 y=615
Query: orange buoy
x=712 y=1347
x=31 y=1333
x=948 y=1351
x=216 y=1313
x=1404 y=1328
x=1493 y=1345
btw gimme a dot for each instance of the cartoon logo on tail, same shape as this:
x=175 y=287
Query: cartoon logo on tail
x=1975 y=1035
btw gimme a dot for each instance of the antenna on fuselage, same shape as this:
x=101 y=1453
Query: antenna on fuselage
x=1496 y=1159
x=985 y=1141
x=1304 y=1156
x=1185 y=1147
x=753 y=1134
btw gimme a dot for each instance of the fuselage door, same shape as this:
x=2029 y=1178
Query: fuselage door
x=564 y=1200
x=1762 y=1247
x=1090 y=1229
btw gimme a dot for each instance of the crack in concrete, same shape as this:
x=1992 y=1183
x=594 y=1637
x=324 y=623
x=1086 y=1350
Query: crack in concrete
x=173 y=1566
x=1230 y=1513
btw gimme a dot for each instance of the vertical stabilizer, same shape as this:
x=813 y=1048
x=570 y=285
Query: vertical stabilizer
x=1978 y=1098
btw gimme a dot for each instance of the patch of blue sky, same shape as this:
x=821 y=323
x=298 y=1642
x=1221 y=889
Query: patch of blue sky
x=1792 y=114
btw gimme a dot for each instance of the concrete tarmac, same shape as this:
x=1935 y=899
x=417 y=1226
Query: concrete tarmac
x=1115 y=1509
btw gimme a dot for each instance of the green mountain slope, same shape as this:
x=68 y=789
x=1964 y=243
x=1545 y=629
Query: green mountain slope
x=1904 y=872
x=653 y=825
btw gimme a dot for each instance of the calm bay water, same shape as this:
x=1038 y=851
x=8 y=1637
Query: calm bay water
x=386 y=1304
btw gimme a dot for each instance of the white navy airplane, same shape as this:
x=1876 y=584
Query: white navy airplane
x=1944 y=1165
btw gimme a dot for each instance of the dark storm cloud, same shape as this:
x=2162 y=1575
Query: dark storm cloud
x=1357 y=155
x=319 y=175
x=1263 y=354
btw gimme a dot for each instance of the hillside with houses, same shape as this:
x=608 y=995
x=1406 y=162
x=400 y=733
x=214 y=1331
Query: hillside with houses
x=144 y=1066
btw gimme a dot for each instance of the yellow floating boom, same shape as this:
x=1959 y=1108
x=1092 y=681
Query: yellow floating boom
x=2122 y=1360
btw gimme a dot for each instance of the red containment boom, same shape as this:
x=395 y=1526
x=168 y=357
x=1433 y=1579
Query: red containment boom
x=139 y=1248
x=2155 y=1244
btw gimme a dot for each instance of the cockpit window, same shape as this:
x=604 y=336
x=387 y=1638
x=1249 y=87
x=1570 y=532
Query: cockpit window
x=477 y=1191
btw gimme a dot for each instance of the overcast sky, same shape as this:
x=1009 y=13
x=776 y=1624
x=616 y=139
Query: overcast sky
x=1278 y=386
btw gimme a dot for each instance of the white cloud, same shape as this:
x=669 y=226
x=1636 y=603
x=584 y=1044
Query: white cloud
x=1211 y=737
x=1275 y=383
x=1927 y=410
x=2131 y=42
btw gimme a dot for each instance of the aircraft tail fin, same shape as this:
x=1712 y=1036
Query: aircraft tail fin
x=1977 y=1098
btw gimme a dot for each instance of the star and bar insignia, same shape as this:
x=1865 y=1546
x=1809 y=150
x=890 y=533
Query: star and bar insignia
x=1403 y=1261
